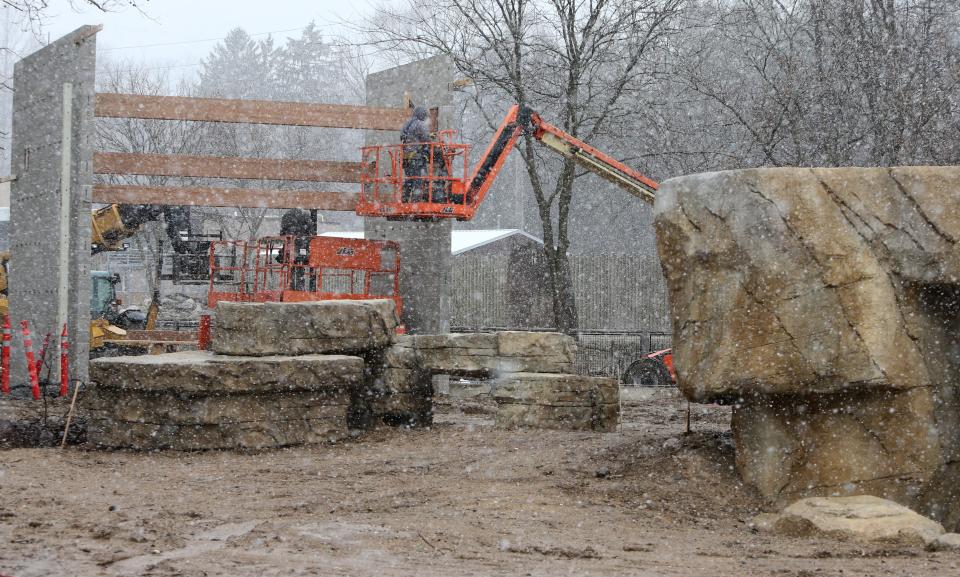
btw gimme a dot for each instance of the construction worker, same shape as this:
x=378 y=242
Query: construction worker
x=414 y=134
x=298 y=224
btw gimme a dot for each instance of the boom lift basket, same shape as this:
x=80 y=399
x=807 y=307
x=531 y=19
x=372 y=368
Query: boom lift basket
x=297 y=269
x=422 y=180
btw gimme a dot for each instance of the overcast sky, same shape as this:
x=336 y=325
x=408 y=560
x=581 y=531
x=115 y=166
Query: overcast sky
x=188 y=29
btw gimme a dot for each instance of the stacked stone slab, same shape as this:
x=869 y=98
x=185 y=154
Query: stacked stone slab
x=399 y=388
x=201 y=400
x=533 y=382
x=279 y=375
x=271 y=380
x=486 y=355
x=823 y=303
x=557 y=401
x=347 y=326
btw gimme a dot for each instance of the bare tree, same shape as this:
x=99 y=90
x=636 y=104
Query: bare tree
x=828 y=82
x=34 y=12
x=144 y=136
x=584 y=63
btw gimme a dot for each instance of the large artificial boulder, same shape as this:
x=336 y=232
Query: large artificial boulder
x=298 y=328
x=823 y=303
x=862 y=518
x=557 y=401
x=200 y=400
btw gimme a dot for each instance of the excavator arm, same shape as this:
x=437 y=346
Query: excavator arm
x=114 y=223
x=520 y=120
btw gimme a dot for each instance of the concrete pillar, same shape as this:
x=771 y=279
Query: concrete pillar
x=52 y=158
x=424 y=246
x=424 y=270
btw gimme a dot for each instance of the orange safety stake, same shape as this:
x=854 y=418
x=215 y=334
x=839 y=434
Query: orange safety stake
x=203 y=333
x=64 y=362
x=43 y=354
x=5 y=356
x=31 y=360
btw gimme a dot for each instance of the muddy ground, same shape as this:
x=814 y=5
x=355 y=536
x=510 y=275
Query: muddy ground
x=459 y=499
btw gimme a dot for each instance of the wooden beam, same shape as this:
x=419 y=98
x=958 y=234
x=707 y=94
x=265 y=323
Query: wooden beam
x=249 y=111
x=225 y=167
x=224 y=197
x=160 y=335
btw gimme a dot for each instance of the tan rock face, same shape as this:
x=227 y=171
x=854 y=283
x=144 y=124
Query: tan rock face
x=800 y=280
x=200 y=400
x=491 y=354
x=345 y=326
x=825 y=304
x=880 y=443
x=863 y=518
x=557 y=401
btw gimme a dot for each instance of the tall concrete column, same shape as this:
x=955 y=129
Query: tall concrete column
x=424 y=246
x=424 y=271
x=52 y=159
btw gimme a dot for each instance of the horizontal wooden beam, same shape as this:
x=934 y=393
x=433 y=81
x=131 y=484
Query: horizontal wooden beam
x=225 y=167
x=223 y=197
x=160 y=335
x=249 y=111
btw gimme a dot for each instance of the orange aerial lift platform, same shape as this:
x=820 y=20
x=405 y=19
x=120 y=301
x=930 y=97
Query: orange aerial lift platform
x=447 y=189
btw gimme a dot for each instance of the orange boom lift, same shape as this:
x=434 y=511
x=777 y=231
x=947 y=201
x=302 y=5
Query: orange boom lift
x=447 y=190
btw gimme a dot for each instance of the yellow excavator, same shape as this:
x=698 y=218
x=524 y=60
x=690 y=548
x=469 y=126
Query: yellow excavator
x=104 y=307
x=111 y=225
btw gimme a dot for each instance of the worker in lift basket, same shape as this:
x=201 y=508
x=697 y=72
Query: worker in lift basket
x=415 y=131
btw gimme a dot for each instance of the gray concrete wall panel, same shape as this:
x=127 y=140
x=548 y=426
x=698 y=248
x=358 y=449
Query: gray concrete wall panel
x=50 y=198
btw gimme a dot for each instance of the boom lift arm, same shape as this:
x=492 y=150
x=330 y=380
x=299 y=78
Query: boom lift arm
x=520 y=120
x=394 y=187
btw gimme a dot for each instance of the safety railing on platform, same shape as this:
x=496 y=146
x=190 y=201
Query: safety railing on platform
x=416 y=180
x=292 y=269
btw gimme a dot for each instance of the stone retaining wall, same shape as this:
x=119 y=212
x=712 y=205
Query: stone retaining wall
x=271 y=380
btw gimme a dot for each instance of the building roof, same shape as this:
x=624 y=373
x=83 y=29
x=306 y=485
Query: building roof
x=466 y=240
x=461 y=241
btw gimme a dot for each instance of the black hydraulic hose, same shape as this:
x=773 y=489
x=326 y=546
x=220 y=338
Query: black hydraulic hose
x=509 y=133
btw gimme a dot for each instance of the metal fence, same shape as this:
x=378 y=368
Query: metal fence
x=613 y=292
x=621 y=302
x=611 y=353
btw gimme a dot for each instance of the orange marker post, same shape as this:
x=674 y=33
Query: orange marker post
x=203 y=333
x=64 y=362
x=5 y=356
x=31 y=359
